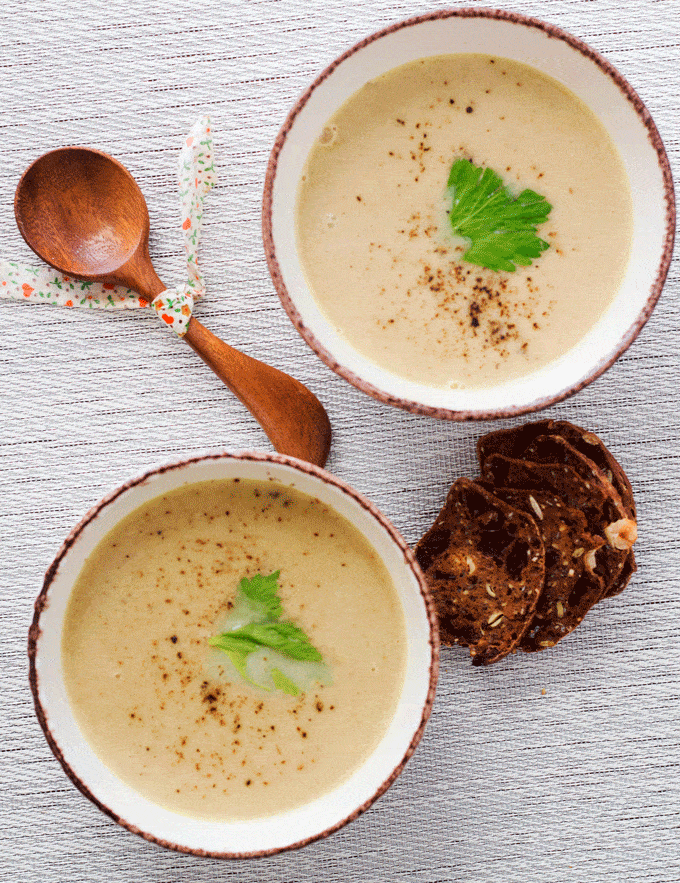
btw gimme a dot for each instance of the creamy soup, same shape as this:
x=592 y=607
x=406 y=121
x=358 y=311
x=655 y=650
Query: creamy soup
x=379 y=254
x=169 y=714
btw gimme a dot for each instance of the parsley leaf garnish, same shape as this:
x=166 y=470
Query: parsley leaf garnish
x=501 y=228
x=264 y=630
x=285 y=637
x=240 y=660
x=281 y=682
x=262 y=591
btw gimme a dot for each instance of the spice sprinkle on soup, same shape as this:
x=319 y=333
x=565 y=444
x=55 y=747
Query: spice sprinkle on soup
x=374 y=221
x=169 y=658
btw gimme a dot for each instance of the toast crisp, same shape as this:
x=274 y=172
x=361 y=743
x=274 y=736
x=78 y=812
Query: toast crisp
x=570 y=581
x=485 y=565
x=514 y=442
x=619 y=531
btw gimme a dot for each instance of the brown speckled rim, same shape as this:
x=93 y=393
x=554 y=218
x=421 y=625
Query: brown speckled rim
x=42 y=602
x=511 y=411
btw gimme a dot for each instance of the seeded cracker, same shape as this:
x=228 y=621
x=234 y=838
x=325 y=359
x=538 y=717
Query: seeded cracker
x=563 y=481
x=570 y=580
x=599 y=507
x=620 y=531
x=514 y=443
x=484 y=562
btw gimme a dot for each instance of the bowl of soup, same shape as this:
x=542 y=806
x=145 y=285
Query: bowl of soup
x=233 y=655
x=439 y=293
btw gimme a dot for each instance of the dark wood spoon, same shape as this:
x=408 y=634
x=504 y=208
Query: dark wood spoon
x=82 y=212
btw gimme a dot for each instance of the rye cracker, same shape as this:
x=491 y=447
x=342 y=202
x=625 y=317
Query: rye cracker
x=620 y=526
x=514 y=442
x=484 y=562
x=570 y=580
x=590 y=497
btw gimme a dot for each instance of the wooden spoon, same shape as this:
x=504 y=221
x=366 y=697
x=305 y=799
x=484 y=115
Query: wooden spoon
x=82 y=212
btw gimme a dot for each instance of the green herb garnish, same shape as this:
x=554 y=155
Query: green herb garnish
x=281 y=682
x=501 y=228
x=257 y=601
x=262 y=592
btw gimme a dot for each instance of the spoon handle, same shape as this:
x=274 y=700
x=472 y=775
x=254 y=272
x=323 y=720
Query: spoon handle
x=292 y=416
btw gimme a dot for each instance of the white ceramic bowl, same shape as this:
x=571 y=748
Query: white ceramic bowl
x=286 y=830
x=592 y=79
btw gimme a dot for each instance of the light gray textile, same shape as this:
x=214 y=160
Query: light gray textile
x=580 y=785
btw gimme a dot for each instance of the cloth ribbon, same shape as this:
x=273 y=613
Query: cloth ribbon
x=173 y=306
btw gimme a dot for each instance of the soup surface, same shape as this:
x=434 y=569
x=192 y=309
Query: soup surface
x=169 y=714
x=380 y=256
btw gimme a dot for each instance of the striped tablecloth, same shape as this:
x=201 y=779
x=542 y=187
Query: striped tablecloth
x=563 y=767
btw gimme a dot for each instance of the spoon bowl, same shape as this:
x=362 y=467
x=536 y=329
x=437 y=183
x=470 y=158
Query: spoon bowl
x=82 y=212
x=54 y=204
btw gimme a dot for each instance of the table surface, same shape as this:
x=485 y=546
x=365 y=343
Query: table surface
x=561 y=766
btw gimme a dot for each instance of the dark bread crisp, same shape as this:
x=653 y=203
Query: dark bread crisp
x=554 y=449
x=589 y=497
x=559 y=478
x=619 y=553
x=514 y=442
x=570 y=579
x=627 y=571
x=481 y=557
x=484 y=562
x=592 y=447
x=511 y=442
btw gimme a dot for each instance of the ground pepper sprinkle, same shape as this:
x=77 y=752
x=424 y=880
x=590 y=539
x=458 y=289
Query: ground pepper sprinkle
x=391 y=275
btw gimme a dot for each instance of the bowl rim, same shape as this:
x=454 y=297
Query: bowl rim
x=42 y=601
x=599 y=368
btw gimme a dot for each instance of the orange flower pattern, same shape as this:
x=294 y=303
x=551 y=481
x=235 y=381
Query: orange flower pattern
x=173 y=306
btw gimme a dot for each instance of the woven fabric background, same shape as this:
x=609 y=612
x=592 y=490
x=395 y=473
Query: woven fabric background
x=577 y=784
